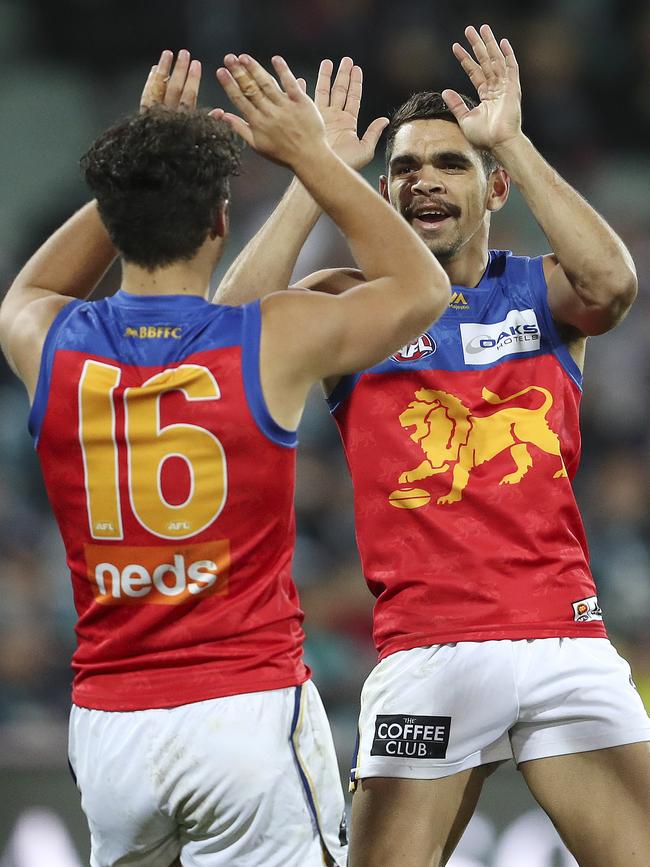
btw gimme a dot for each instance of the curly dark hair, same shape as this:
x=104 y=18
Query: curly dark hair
x=159 y=177
x=429 y=105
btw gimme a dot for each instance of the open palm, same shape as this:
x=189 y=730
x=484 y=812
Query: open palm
x=495 y=75
x=339 y=105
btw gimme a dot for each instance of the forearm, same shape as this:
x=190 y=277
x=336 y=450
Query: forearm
x=266 y=263
x=592 y=256
x=390 y=248
x=73 y=260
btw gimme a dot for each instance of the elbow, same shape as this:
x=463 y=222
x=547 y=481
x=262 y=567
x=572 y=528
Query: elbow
x=623 y=286
x=628 y=290
x=435 y=295
x=621 y=296
x=604 y=308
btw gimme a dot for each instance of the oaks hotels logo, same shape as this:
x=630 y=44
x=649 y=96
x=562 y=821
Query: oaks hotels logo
x=484 y=343
x=147 y=332
x=161 y=575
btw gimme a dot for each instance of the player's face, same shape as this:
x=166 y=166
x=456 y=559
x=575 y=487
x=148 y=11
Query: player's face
x=437 y=182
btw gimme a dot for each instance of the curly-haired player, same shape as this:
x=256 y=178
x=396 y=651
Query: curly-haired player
x=166 y=430
x=461 y=448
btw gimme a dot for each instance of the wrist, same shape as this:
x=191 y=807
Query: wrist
x=508 y=153
x=310 y=158
x=318 y=163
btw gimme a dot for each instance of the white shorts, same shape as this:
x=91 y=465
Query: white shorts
x=245 y=781
x=433 y=711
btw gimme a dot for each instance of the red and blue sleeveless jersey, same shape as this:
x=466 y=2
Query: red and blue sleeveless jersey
x=462 y=448
x=173 y=490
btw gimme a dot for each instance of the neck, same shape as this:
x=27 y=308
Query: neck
x=179 y=278
x=467 y=265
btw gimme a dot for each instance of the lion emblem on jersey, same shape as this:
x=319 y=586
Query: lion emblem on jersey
x=454 y=440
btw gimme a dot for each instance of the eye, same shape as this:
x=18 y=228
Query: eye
x=404 y=169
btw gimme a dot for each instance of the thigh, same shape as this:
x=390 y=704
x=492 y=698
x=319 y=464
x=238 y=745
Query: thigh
x=430 y=712
x=273 y=793
x=109 y=756
x=576 y=695
x=412 y=823
x=599 y=801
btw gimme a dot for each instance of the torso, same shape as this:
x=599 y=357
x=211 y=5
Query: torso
x=173 y=491
x=462 y=448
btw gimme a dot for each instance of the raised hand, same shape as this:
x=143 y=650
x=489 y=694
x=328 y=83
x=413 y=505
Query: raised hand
x=495 y=75
x=282 y=123
x=174 y=85
x=339 y=105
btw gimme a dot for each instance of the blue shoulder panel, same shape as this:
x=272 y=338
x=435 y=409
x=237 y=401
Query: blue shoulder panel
x=508 y=304
x=530 y=272
x=152 y=331
x=146 y=331
x=342 y=390
x=250 y=348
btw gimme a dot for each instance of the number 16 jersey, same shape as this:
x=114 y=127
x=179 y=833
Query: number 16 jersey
x=173 y=490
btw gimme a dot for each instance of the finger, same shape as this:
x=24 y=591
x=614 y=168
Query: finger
x=146 y=100
x=235 y=95
x=493 y=50
x=355 y=89
x=323 y=84
x=263 y=80
x=455 y=104
x=287 y=78
x=374 y=131
x=480 y=51
x=302 y=84
x=176 y=81
x=165 y=62
x=156 y=84
x=235 y=123
x=470 y=66
x=341 y=85
x=246 y=84
x=190 y=93
x=509 y=54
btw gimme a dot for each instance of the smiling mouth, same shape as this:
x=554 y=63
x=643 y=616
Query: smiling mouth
x=430 y=219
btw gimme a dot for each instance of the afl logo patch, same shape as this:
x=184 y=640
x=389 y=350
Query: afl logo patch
x=420 y=348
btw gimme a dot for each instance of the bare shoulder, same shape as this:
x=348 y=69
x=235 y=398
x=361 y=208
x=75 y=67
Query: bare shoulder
x=23 y=331
x=331 y=280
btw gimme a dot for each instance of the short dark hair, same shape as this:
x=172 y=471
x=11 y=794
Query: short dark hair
x=429 y=105
x=159 y=177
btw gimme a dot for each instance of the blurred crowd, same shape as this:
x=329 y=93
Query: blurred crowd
x=70 y=68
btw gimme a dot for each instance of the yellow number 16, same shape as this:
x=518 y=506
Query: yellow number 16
x=148 y=447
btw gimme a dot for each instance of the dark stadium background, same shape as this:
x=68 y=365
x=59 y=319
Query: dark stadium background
x=68 y=69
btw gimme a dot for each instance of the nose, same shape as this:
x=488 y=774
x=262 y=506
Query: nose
x=428 y=181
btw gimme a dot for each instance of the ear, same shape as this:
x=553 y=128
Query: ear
x=221 y=221
x=383 y=187
x=498 y=189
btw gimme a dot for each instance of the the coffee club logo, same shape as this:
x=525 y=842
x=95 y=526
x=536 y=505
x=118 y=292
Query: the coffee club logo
x=418 y=737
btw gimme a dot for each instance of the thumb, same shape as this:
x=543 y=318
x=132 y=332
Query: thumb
x=374 y=131
x=235 y=123
x=455 y=104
